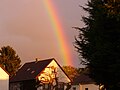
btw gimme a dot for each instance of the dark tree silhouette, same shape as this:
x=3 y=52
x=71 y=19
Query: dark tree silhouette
x=9 y=60
x=98 y=42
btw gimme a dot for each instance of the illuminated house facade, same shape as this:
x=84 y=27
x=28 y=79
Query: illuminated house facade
x=40 y=75
x=4 y=79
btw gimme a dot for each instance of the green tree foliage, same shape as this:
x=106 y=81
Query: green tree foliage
x=72 y=72
x=9 y=60
x=98 y=42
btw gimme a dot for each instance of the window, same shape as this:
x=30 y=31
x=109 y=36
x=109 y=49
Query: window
x=60 y=86
x=28 y=69
x=86 y=88
x=46 y=86
x=32 y=72
x=74 y=88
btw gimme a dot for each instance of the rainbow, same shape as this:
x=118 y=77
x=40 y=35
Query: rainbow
x=57 y=27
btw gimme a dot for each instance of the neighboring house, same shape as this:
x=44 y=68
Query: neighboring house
x=84 y=82
x=40 y=75
x=4 y=79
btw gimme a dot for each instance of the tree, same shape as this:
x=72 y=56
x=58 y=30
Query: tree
x=9 y=60
x=72 y=72
x=50 y=76
x=98 y=42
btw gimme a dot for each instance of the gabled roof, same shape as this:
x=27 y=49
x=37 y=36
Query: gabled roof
x=83 y=79
x=30 y=70
x=4 y=69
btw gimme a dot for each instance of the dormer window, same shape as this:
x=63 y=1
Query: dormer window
x=28 y=69
x=32 y=72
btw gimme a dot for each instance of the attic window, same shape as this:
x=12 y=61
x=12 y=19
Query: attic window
x=74 y=88
x=86 y=88
x=32 y=72
x=28 y=69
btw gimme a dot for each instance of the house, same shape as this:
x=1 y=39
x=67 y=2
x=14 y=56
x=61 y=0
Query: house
x=4 y=79
x=84 y=82
x=40 y=75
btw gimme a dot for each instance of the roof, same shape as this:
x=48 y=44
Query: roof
x=83 y=79
x=30 y=70
x=4 y=69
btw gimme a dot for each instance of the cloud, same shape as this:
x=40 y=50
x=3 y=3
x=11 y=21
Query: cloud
x=25 y=25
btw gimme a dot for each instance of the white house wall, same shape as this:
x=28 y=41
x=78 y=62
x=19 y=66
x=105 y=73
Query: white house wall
x=89 y=86
x=76 y=87
x=4 y=80
x=60 y=74
x=83 y=86
x=48 y=74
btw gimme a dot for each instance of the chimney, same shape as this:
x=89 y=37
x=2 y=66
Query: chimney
x=37 y=59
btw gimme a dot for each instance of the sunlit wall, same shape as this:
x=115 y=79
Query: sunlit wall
x=4 y=80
